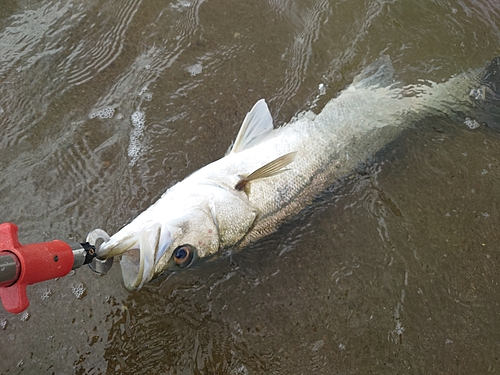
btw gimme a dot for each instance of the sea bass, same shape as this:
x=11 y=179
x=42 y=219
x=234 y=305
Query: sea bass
x=271 y=174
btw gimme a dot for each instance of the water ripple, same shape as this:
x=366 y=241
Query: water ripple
x=30 y=35
x=98 y=56
x=300 y=52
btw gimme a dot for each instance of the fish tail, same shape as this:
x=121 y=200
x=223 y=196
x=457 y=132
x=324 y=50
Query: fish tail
x=488 y=90
x=485 y=97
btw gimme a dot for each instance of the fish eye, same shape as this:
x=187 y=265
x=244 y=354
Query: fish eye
x=183 y=256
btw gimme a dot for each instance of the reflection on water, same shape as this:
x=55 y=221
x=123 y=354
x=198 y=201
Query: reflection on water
x=103 y=105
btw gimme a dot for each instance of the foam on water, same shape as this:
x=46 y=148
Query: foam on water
x=148 y=96
x=79 y=290
x=472 y=123
x=322 y=89
x=134 y=147
x=195 y=69
x=46 y=295
x=25 y=316
x=181 y=5
x=103 y=113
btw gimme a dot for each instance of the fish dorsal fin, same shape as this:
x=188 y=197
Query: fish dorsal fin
x=257 y=122
x=270 y=169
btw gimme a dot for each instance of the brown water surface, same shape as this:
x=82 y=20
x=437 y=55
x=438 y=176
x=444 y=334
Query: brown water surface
x=105 y=104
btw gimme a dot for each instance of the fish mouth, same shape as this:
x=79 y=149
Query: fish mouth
x=132 y=269
x=137 y=267
x=138 y=263
x=136 y=257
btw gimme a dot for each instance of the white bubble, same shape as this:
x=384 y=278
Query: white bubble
x=195 y=69
x=138 y=119
x=79 y=290
x=134 y=147
x=471 y=123
x=181 y=5
x=3 y=324
x=103 y=113
x=478 y=93
x=322 y=89
x=143 y=90
x=25 y=316
x=120 y=116
x=46 y=295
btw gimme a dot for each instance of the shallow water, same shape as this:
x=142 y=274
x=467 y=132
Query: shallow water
x=103 y=105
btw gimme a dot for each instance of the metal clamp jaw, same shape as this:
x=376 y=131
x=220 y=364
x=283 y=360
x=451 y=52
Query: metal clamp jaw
x=97 y=237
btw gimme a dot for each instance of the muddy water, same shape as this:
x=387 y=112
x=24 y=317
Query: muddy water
x=105 y=104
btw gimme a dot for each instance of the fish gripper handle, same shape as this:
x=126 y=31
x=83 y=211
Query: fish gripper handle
x=29 y=264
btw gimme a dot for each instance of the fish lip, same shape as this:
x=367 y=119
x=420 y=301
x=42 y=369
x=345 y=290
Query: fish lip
x=130 y=264
x=137 y=266
x=138 y=263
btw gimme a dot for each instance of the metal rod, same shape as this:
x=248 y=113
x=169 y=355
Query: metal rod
x=9 y=269
x=79 y=253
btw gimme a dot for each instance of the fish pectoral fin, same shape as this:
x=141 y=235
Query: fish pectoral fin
x=270 y=169
x=257 y=122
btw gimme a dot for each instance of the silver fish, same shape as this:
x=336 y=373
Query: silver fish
x=271 y=174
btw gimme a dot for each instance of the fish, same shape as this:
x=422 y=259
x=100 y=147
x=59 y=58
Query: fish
x=270 y=174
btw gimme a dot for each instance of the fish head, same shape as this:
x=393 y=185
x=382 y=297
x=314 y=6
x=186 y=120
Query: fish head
x=184 y=225
x=184 y=239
